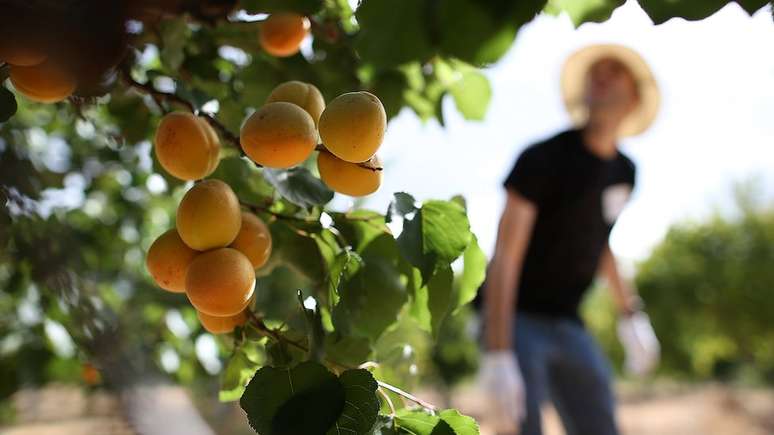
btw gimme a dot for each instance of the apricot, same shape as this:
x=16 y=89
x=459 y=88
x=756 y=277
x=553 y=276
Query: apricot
x=279 y=135
x=186 y=146
x=348 y=178
x=253 y=240
x=220 y=282
x=208 y=215
x=15 y=54
x=282 y=33
x=352 y=126
x=167 y=261
x=303 y=95
x=221 y=325
x=44 y=83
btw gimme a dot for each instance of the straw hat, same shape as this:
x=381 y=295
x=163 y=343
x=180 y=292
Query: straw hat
x=574 y=80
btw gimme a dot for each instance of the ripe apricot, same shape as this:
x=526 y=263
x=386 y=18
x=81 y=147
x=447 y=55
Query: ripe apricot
x=208 y=215
x=282 y=33
x=214 y=143
x=352 y=126
x=17 y=54
x=167 y=261
x=253 y=240
x=44 y=83
x=348 y=178
x=279 y=135
x=220 y=282
x=186 y=146
x=303 y=95
x=221 y=325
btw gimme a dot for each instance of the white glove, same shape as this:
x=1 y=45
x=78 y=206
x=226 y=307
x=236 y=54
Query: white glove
x=639 y=342
x=501 y=378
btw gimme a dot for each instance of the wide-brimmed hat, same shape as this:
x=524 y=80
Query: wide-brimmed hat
x=573 y=84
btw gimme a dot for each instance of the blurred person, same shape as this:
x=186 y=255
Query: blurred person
x=564 y=195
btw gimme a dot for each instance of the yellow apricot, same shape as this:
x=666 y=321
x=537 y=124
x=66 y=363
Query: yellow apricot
x=352 y=126
x=208 y=215
x=167 y=261
x=348 y=178
x=282 y=33
x=303 y=95
x=221 y=325
x=253 y=240
x=44 y=83
x=214 y=144
x=279 y=135
x=184 y=146
x=220 y=282
x=17 y=54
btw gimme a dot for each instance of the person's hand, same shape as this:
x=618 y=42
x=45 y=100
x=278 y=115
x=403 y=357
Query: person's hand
x=501 y=378
x=639 y=342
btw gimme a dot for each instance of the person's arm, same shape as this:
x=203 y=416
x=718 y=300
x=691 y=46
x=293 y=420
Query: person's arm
x=513 y=237
x=625 y=297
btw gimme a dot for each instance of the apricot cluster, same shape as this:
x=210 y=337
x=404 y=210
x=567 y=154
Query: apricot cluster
x=211 y=255
x=284 y=132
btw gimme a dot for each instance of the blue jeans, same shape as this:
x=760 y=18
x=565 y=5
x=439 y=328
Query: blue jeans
x=560 y=361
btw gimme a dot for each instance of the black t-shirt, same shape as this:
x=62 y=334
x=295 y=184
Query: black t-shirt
x=579 y=197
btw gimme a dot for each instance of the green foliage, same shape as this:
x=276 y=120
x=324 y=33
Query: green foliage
x=707 y=289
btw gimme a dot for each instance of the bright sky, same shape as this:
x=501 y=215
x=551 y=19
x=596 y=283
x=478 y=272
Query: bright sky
x=715 y=125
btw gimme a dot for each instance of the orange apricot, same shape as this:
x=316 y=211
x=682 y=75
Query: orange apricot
x=220 y=282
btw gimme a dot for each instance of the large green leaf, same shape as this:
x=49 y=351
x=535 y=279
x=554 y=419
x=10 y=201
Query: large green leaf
x=584 y=11
x=360 y=403
x=437 y=233
x=299 y=186
x=471 y=31
x=471 y=94
x=661 y=11
x=347 y=350
x=308 y=399
x=374 y=295
x=235 y=376
x=752 y=6
x=473 y=274
x=174 y=34
x=447 y=422
x=392 y=32
x=344 y=266
x=7 y=104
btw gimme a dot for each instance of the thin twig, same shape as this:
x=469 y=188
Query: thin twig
x=408 y=396
x=388 y=400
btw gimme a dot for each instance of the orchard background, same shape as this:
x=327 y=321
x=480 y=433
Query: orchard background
x=386 y=289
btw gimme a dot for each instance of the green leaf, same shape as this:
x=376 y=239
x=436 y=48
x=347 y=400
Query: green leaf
x=471 y=94
x=374 y=296
x=392 y=32
x=581 y=12
x=7 y=104
x=752 y=6
x=174 y=34
x=360 y=403
x=347 y=350
x=473 y=31
x=309 y=399
x=661 y=11
x=299 y=186
x=237 y=373
x=447 y=422
x=473 y=274
x=246 y=180
x=346 y=264
x=437 y=234
x=401 y=205
x=445 y=229
x=297 y=251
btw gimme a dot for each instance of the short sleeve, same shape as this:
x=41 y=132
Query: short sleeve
x=530 y=176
